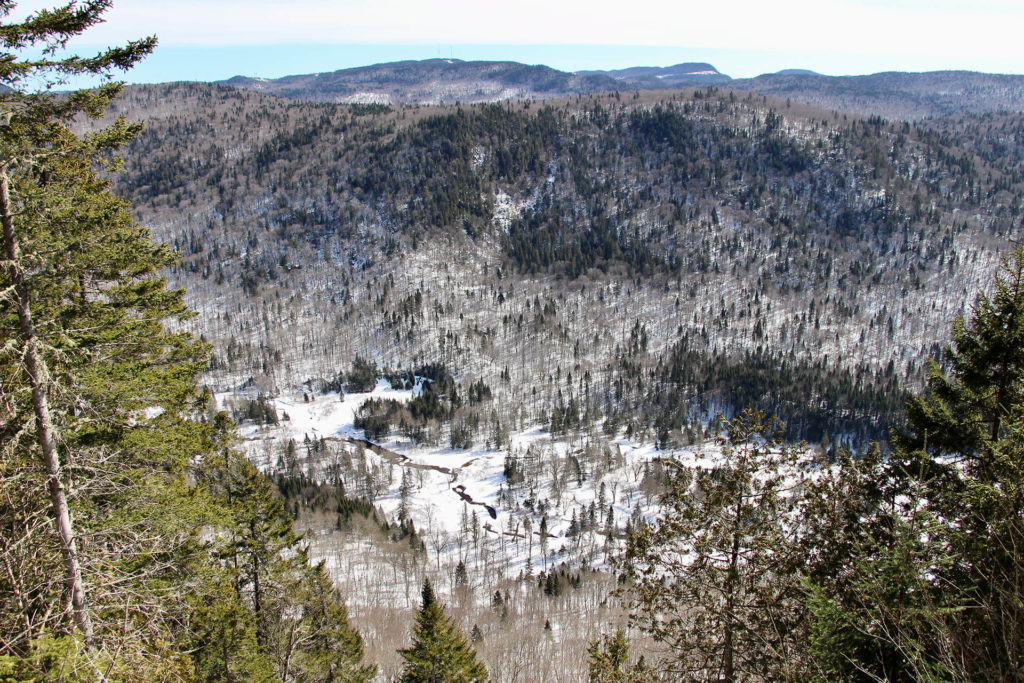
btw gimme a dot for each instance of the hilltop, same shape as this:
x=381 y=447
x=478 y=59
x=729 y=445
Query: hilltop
x=895 y=95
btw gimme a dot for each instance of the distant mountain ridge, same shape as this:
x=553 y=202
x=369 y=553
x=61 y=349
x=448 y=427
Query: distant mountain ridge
x=431 y=81
x=896 y=95
x=689 y=74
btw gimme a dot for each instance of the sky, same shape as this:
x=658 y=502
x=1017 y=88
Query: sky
x=217 y=39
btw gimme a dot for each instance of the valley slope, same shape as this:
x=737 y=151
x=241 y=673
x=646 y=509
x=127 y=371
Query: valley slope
x=653 y=258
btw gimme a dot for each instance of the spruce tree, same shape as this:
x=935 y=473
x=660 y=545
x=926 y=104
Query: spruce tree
x=873 y=549
x=49 y=200
x=112 y=537
x=714 y=578
x=608 y=661
x=98 y=519
x=964 y=448
x=440 y=652
x=962 y=412
x=294 y=623
x=322 y=645
x=921 y=577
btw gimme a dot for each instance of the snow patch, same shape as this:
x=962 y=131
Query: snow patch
x=507 y=209
x=367 y=98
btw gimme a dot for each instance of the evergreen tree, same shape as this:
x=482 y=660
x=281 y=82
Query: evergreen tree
x=95 y=514
x=318 y=643
x=609 y=661
x=440 y=652
x=926 y=581
x=223 y=632
x=714 y=579
x=959 y=414
x=113 y=537
x=298 y=622
x=963 y=448
x=404 y=493
x=933 y=589
x=873 y=550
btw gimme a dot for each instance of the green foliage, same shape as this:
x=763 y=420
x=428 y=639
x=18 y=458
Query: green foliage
x=260 y=411
x=375 y=417
x=439 y=396
x=513 y=470
x=924 y=581
x=324 y=646
x=440 y=652
x=714 y=579
x=609 y=661
x=300 y=493
x=96 y=511
x=461 y=435
x=552 y=584
x=436 y=402
x=65 y=658
x=872 y=592
x=363 y=376
x=479 y=392
x=131 y=552
x=223 y=632
x=986 y=368
x=861 y=401
x=292 y=621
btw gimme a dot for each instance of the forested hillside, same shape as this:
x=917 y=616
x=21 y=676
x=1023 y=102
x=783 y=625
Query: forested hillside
x=518 y=386
x=561 y=299
x=652 y=258
x=897 y=95
x=434 y=81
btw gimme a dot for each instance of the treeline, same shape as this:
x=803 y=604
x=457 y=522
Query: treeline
x=435 y=405
x=669 y=397
x=302 y=495
x=814 y=399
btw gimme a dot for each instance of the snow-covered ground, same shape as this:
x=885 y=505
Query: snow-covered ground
x=449 y=491
x=566 y=506
x=324 y=415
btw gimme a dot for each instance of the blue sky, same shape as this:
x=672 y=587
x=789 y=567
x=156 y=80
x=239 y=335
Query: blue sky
x=216 y=39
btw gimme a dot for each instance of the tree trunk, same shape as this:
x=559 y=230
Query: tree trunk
x=731 y=585
x=257 y=596
x=289 y=650
x=35 y=369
